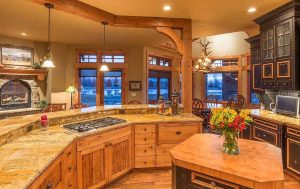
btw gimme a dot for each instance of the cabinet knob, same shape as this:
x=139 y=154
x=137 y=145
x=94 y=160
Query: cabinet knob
x=110 y=144
x=145 y=139
x=70 y=185
x=145 y=162
x=145 y=151
x=49 y=185
x=69 y=153
x=145 y=129
x=106 y=145
x=178 y=132
x=213 y=184
x=70 y=168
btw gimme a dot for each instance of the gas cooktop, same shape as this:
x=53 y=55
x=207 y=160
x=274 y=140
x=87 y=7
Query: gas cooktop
x=93 y=124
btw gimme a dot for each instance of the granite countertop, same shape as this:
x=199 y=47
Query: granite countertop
x=25 y=158
x=269 y=115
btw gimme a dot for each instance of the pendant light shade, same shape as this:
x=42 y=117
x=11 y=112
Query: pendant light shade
x=48 y=63
x=104 y=67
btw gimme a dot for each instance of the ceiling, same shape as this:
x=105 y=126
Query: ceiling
x=209 y=17
x=17 y=16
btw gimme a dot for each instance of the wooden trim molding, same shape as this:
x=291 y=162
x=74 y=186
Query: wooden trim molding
x=40 y=74
x=264 y=73
x=288 y=63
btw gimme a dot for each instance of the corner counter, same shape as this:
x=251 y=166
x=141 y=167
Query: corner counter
x=25 y=158
x=200 y=162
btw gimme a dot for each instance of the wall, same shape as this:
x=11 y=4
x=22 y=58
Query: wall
x=230 y=44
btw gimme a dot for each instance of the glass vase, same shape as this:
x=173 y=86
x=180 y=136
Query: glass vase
x=230 y=144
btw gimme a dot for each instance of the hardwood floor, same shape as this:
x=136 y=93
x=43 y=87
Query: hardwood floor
x=161 y=179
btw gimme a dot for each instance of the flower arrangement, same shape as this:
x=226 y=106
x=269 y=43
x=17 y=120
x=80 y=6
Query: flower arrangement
x=230 y=123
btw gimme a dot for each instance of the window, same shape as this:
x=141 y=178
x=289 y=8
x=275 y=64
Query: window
x=159 y=61
x=88 y=80
x=222 y=85
x=113 y=59
x=113 y=88
x=159 y=83
x=225 y=62
x=87 y=58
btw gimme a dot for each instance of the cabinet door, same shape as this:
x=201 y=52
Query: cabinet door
x=120 y=157
x=283 y=39
x=265 y=135
x=256 y=77
x=91 y=167
x=293 y=158
x=267 y=44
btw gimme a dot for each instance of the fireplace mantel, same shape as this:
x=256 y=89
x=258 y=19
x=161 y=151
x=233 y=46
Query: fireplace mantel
x=39 y=73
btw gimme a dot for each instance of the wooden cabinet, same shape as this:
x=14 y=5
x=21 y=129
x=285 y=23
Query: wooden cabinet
x=279 y=43
x=267 y=131
x=154 y=141
x=256 y=67
x=60 y=174
x=293 y=150
x=110 y=158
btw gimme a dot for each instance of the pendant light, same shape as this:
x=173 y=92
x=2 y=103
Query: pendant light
x=204 y=63
x=48 y=60
x=104 y=67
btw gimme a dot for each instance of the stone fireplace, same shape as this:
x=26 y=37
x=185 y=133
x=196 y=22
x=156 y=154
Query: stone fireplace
x=18 y=93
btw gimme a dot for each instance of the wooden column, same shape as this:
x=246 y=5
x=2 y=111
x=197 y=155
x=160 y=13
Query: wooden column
x=184 y=47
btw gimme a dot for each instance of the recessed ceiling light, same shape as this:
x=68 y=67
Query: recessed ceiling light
x=252 y=10
x=23 y=34
x=167 y=7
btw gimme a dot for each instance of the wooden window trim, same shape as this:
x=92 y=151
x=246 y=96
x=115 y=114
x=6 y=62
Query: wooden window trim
x=112 y=66
x=158 y=61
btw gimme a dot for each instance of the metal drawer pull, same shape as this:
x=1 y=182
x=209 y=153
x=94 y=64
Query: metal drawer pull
x=49 y=185
x=213 y=184
x=178 y=132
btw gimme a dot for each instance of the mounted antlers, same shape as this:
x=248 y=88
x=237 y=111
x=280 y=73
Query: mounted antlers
x=205 y=47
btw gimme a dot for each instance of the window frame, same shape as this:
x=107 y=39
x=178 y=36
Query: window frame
x=159 y=75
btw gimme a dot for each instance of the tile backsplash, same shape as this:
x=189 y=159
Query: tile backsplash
x=270 y=96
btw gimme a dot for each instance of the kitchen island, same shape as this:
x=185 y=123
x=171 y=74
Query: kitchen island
x=199 y=162
x=60 y=158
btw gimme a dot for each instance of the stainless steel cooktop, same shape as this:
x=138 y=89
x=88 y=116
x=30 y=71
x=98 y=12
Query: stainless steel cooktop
x=93 y=124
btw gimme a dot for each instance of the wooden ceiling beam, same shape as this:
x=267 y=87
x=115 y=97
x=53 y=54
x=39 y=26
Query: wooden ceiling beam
x=87 y=11
x=81 y=9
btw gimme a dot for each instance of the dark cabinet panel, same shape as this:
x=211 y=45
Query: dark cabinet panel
x=293 y=150
x=280 y=48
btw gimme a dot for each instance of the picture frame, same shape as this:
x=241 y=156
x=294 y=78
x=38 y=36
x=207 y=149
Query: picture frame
x=16 y=56
x=135 y=85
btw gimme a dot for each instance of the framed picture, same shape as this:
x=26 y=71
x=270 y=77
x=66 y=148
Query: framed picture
x=16 y=56
x=135 y=85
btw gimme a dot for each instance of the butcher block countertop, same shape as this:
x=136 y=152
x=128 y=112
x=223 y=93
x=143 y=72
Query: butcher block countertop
x=259 y=165
x=23 y=159
x=269 y=115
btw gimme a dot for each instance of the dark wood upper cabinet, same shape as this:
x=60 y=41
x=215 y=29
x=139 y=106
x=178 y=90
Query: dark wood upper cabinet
x=279 y=49
x=256 y=70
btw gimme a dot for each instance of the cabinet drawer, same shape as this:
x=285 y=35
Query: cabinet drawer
x=145 y=128
x=164 y=149
x=265 y=135
x=147 y=161
x=266 y=124
x=175 y=133
x=145 y=150
x=293 y=132
x=53 y=179
x=293 y=158
x=203 y=181
x=145 y=138
x=163 y=161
